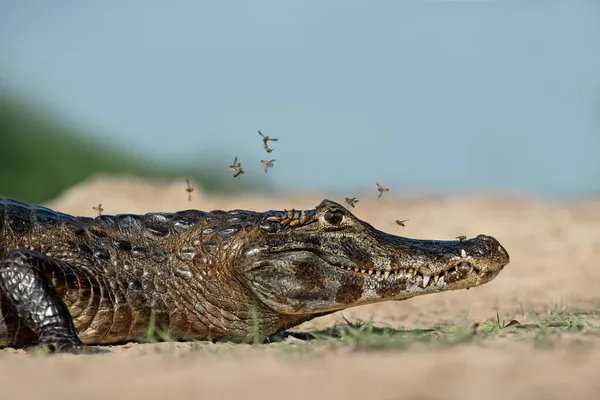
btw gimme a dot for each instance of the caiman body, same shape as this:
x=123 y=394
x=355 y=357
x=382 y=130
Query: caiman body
x=67 y=282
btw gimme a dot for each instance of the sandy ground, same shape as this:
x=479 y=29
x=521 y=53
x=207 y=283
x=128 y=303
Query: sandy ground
x=555 y=261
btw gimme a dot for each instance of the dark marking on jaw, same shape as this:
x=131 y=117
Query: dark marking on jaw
x=310 y=276
x=351 y=289
x=386 y=289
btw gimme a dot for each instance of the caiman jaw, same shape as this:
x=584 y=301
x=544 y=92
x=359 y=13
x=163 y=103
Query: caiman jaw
x=401 y=267
x=456 y=270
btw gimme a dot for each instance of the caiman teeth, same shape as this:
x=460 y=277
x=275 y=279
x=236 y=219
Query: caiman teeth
x=426 y=279
x=383 y=275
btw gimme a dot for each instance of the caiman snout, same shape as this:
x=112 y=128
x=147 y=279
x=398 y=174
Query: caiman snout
x=489 y=255
x=333 y=260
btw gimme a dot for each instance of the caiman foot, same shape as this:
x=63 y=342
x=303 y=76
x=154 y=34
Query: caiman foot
x=63 y=348
x=25 y=283
x=57 y=340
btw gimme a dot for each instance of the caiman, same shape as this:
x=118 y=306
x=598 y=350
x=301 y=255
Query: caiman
x=70 y=283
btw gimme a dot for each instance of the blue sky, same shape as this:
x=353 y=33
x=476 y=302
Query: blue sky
x=442 y=96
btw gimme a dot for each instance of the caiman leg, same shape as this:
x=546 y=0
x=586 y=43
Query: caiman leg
x=36 y=302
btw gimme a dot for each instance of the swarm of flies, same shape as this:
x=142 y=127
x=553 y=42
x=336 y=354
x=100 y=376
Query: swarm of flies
x=237 y=169
x=268 y=164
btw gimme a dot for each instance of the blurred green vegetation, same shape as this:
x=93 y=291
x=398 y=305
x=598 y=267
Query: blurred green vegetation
x=41 y=156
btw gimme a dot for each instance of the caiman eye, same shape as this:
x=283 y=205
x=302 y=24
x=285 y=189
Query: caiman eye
x=334 y=217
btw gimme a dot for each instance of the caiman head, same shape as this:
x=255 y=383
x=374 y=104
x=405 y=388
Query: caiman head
x=326 y=259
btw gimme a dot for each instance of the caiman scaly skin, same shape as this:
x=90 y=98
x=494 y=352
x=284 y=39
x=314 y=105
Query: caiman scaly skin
x=68 y=282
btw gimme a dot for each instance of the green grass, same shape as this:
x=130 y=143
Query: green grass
x=541 y=329
x=367 y=335
x=155 y=334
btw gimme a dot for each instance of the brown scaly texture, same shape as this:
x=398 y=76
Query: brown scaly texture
x=67 y=282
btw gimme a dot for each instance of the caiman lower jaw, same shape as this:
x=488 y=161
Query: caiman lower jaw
x=457 y=273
